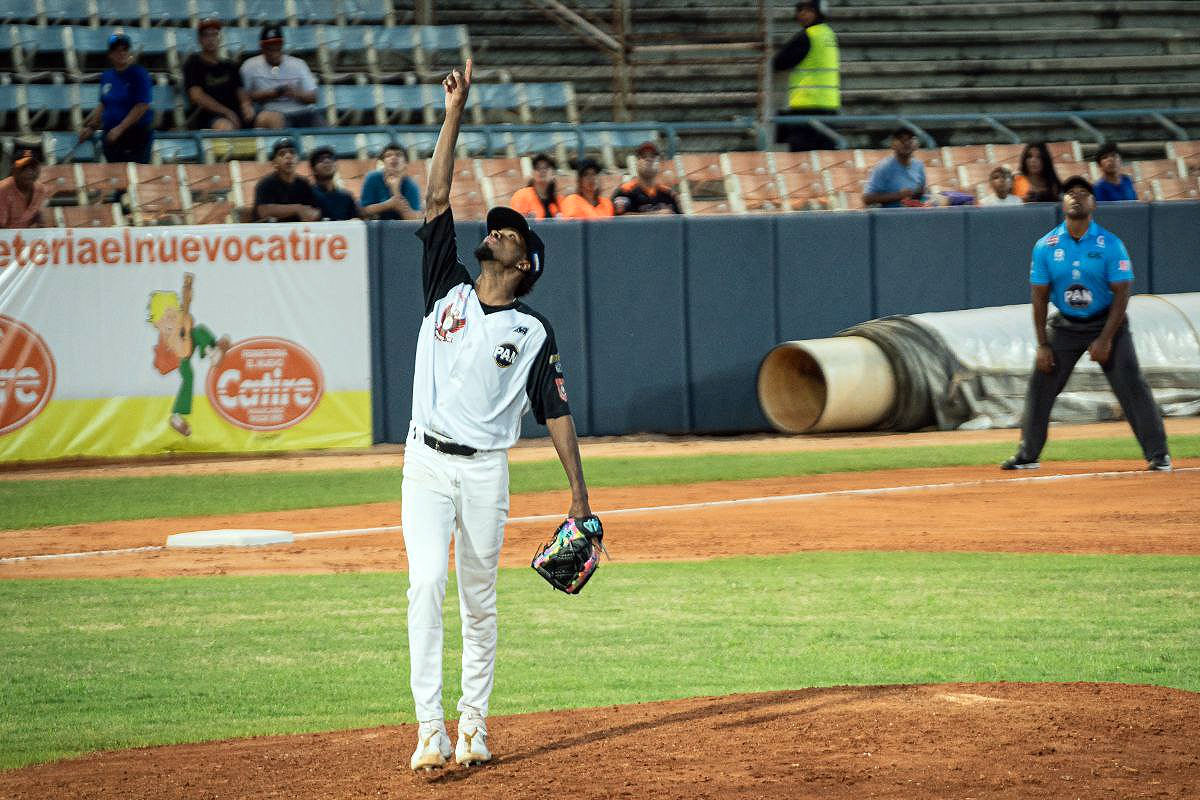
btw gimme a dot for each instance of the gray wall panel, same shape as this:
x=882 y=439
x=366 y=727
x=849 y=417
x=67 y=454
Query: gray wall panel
x=824 y=273
x=1131 y=223
x=999 y=243
x=636 y=326
x=1174 y=247
x=918 y=258
x=731 y=318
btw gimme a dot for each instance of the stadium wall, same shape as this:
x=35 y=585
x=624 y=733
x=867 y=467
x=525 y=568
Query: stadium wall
x=662 y=321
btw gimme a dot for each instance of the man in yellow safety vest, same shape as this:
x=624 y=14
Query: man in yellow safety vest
x=814 y=85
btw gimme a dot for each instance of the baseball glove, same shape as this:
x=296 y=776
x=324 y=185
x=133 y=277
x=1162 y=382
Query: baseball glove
x=572 y=554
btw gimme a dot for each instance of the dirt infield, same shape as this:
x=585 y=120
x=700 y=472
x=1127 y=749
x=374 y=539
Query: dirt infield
x=949 y=741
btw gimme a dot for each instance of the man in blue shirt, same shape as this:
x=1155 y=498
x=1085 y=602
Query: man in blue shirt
x=334 y=203
x=898 y=178
x=1114 y=185
x=1085 y=270
x=124 y=112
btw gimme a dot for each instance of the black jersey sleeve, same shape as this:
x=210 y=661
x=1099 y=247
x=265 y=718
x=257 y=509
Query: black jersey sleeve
x=546 y=388
x=441 y=270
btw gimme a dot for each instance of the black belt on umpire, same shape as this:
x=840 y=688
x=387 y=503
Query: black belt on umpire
x=450 y=448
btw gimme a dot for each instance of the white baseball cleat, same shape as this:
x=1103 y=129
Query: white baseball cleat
x=433 y=746
x=472 y=740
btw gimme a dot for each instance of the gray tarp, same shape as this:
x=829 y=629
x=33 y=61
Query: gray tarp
x=969 y=369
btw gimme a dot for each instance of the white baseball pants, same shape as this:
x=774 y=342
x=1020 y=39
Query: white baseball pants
x=464 y=497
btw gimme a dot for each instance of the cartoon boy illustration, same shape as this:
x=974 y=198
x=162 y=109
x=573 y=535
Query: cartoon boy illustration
x=178 y=337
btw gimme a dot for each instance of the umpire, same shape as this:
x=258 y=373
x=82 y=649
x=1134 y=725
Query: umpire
x=1086 y=271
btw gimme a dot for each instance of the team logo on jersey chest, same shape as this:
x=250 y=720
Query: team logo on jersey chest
x=1077 y=296
x=449 y=324
x=505 y=354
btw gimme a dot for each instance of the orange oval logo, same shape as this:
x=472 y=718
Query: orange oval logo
x=26 y=374
x=265 y=384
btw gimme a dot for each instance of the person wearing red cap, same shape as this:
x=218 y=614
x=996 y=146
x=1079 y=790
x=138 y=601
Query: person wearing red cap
x=645 y=194
x=22 y=198
x=124 y=115
x=283 y=86
x=214 y=85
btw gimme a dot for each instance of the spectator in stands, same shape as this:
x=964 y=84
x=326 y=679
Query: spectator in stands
x=1036 y=181
x=899 y=179
x=1114 y=185
x=22 y=198
x=587 y=202
x=334 y=203
x=388 y=193
x=645 y=194
x=284 y=196
x=214 y=85
x=283 y=87
x=539 y=200
x=1001 y=181
x=124 y=114
x=814 y=80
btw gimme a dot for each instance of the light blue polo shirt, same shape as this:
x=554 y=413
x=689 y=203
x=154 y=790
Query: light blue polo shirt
x=1079 y=273
x=890 y=175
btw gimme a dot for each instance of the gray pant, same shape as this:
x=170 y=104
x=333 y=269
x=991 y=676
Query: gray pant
x=1069 y=339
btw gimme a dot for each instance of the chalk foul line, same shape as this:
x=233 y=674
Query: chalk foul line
x=782 y=498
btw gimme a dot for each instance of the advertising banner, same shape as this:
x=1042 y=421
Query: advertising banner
x=119 y=342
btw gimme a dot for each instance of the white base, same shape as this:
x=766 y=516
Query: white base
x=229 y=538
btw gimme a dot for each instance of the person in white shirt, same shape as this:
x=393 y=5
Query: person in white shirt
x=483 y=358
x=1001 y=181
x=282 y=87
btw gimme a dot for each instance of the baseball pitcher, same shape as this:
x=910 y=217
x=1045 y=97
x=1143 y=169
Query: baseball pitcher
x=483 y=358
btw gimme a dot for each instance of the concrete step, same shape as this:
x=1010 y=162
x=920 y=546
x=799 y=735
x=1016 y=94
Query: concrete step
x=1023 y=98
x=1058 y=43
x=1019 y=72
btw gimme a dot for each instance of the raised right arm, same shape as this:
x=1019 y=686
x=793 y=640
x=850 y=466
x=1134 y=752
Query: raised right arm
x=441 y=167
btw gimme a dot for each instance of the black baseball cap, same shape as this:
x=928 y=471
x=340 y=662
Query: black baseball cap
x=271 y=33
x=900 y=132
x=584 y=164
x=1078 y=180
x=504 y=217
x=323 y=150
x=119 y=39
x=282 y=143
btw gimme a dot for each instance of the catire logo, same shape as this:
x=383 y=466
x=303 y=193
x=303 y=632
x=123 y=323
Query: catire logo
x=265 y=384
x=26 y=374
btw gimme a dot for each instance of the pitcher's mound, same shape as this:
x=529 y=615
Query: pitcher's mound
x=1006 y=740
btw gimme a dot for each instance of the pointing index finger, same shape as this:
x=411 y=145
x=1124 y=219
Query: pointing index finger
x=468 y=71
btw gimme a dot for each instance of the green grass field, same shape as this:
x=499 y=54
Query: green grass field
x=100 y=664
x=38 y=503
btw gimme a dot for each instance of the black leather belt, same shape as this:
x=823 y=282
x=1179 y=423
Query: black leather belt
x=449 y=447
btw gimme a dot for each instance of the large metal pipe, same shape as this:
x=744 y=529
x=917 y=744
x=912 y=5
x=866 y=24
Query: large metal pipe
x=812 y=385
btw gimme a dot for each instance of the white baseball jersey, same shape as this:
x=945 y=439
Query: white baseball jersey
x=479 y=368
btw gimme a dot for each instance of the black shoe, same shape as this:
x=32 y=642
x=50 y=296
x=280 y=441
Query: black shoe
x=1021 y=462
x=1160 y=464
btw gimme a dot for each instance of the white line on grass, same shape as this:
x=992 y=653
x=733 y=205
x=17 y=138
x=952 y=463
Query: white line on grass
x=783 y=498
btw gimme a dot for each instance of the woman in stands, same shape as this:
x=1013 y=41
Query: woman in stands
x=588 y=202
x=1036 y=180
x=539 y=199
x=124 y=112
x=388 y=193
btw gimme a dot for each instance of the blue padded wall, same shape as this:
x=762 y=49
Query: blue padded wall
x=1174 y=247
x=918 y=259
x=823 y=275
x=999 y=243
x=636 y=320
x=1131 y=223
x=730 y=306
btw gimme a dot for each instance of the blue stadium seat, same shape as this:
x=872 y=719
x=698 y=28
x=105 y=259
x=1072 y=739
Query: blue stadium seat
x=119 y=12
x=173 y=150
x=37 y=50
x=63 y=11
x=352 y=102
x=493 y=96
x=368 y=12
x=10 y=101
x=403 y=102
x=58 y=145
x=303 y=41
x=174 y=13
x=345 y=145
x=309 y=12
x=46 y=101
x=374 y=141
x=260 y=12
x=224 y=10
x=240 y=42
x=438 y=38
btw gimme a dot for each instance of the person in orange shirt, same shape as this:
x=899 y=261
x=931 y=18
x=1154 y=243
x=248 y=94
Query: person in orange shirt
x=539 y=199
x=587 y=202
x=21 y=196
